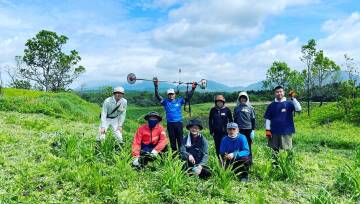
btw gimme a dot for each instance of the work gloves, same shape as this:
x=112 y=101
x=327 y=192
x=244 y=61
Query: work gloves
x=156 y=82
x=268 y=134
x=292 y=94
x=252 y=135
x=196 y=169
x=193 y=85
x=135 y=162
x=154 y=153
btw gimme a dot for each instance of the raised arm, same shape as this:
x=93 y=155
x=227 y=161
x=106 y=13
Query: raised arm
x=157 y=95
x=193 y=87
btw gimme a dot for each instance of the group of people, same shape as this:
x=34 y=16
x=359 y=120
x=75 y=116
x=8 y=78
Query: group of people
x=233 y=132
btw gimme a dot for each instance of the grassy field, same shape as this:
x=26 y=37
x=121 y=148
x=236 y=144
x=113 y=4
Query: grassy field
x=47 y=156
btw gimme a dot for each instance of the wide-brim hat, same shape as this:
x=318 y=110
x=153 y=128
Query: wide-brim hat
x=153 y=114
x=194 y=122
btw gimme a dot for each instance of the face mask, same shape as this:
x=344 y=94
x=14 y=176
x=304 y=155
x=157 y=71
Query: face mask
x=152 y=123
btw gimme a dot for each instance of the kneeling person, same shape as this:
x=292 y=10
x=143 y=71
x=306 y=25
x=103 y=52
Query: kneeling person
x=149 y=140
x=195 y=150
x=235 y=152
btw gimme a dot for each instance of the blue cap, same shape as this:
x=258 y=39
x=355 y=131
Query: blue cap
x=232 y=125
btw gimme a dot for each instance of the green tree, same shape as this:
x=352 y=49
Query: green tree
x=297 y=81
x=47 y=65
x=323 y=68
x=348 y=90
x=20 y=84
x=278 y=74
x=308 y=55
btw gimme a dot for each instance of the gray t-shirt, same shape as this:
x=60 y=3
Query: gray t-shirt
x=243 y=115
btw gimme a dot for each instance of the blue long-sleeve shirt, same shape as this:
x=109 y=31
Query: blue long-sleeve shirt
x=238 y=146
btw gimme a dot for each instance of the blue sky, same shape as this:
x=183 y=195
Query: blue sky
x=232 y=42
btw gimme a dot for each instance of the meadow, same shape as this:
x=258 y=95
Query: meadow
x=47 y=143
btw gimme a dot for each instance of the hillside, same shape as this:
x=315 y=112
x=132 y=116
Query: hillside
x=47 y=156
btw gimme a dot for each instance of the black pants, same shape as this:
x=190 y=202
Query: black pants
x=175 y=130
x=247 y=133
x=217 y=140
x=204 y=174
x=240 y=166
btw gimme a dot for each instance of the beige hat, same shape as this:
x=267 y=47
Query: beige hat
x=119 y=89
x=220 y=98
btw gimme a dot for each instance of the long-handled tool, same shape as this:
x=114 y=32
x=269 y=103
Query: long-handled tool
x=131 y=79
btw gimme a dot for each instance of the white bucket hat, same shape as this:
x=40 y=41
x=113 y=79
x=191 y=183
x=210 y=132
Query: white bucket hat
x=119 y=89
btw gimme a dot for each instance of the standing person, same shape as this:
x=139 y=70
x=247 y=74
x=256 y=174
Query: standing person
x=149 y=140
x=235 y=153
x=113 y=114
x=279 y=120
x=195 y=150
x=173 y=109
x=244 y=116
x=219 y=117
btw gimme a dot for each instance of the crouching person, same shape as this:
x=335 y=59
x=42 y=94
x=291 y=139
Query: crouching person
x=195 y=150
x=234 y=151
x=149 y=140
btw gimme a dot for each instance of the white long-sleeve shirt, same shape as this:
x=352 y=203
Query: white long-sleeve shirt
x=109 y=105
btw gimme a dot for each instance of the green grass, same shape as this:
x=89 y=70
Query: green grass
x=49 y=158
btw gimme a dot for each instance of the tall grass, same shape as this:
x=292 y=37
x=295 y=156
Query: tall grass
x=50 y=158
x=172 y=174
x=323 y=197
x=223 y=177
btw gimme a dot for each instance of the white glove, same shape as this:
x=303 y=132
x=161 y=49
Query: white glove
x=135 y=162
x=252 y=135
x=197 y=170
x=154 y=153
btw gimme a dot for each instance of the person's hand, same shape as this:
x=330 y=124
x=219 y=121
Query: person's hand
x=102 y=130
x=154 y=153
x=268 y=134
x=193 y=85
x=119 y=128
x=197 y=169
x=191 y=159
x=135 y=161
x=156 y=82
x=252 y=135
x=229 y=156
x=292 y=94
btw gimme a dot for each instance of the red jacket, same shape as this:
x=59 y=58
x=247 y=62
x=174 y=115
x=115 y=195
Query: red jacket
x=144 y=135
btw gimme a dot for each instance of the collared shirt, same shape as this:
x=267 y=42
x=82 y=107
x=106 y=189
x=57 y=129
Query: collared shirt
x=109 y=105
x=279 y=116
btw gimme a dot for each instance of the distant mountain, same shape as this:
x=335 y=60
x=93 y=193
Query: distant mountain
x=212 y=86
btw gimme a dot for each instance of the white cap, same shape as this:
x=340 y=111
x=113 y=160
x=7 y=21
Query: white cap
x=170 y=91
x=119 y=89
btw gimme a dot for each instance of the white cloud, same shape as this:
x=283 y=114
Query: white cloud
x=205 y=23
x=343 y=37
x=189 y=40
